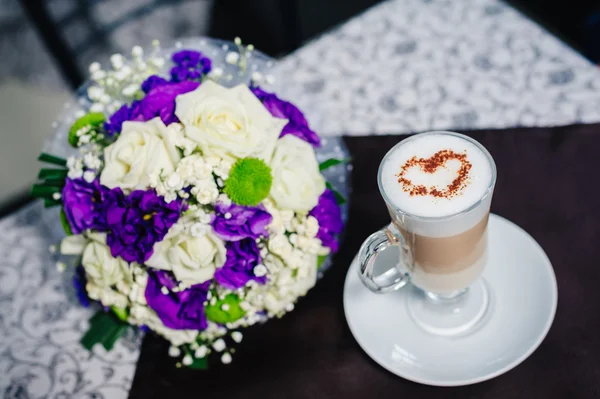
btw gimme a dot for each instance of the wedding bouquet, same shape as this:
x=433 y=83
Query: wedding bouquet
x=192 y=209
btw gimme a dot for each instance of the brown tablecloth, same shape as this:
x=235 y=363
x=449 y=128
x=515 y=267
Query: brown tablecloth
x=547 y=183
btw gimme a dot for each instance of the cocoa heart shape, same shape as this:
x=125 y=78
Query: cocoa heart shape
x=431 y=165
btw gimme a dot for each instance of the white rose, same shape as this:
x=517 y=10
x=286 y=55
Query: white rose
x=193 y=259
x=104 y=272
x=135 y=288
x=142 y=149
x=100 y=266
x=228 y=123
x=297 y=181
x=73 y=245
x=106 y=295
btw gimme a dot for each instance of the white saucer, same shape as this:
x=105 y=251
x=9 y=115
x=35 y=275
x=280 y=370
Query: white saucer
x=523 y=298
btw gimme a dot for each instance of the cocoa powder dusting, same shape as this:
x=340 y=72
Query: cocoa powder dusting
x=431 y=165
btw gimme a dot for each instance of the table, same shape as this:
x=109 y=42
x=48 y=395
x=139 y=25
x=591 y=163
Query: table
x=41 y=323
x=542 y=186
x=439 y=74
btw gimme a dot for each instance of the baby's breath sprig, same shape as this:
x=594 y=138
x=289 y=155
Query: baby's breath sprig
x=87 y=129
x=241 y=57
x=112 y=88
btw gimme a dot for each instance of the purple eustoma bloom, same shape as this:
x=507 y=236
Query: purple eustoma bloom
x=329 y=215
x=160 y=101
x=243 y=222
x=188 y=58
x=152 y=82
x=115 y=122
x=82 y=202
x=79 y=283
x=182 y=310
x=189 y=65
x=138 y=221
x=297 y=124
x=182 y=74
x=242 y=257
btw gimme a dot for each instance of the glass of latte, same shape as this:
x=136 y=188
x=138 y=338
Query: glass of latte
x=438 y=189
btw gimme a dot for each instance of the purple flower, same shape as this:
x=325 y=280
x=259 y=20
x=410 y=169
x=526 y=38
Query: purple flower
x=138 y=221
x=297 y=124
x=242 y=257
x=153 y=81
x=79 y=283
x=160 y=101
x=329 y=215
x=183 y=310
x=125 y=113
x=82 y=204
x=182 y=74
x=189 y=65
x=244 y=222
x=187 y=58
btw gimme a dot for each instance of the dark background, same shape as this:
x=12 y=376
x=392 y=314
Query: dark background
x=281 y=26
x=278 y=27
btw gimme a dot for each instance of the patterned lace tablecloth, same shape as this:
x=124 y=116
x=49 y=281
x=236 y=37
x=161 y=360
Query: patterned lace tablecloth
x=416 y=65
x=41 y=323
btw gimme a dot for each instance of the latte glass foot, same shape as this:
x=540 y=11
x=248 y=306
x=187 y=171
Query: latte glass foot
x=454 y=314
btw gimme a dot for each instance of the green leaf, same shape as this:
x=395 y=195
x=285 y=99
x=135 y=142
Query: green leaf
x=89 y=340
x=93 y=119
x=320 y=260
x=109 y=341
x=121 y=313
x=65 y=223
x=57 y=182
x=104 y=329
x=331 y=162
x=107 y=335
x=47 y=158
x=53 y=174
x=96 y=317
x=94 y=332
x=199 y=364
x=49 y=203
x=339 y=198
x=218 y=315
x=43 y=191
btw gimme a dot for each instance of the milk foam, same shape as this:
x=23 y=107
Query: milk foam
x=424 y=146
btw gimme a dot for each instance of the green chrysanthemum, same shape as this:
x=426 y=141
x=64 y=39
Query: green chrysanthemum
x=93 y=120
x=233 y=311
x=249 y=181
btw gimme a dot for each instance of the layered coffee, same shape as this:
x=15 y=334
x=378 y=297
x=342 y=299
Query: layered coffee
x=438 y=191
